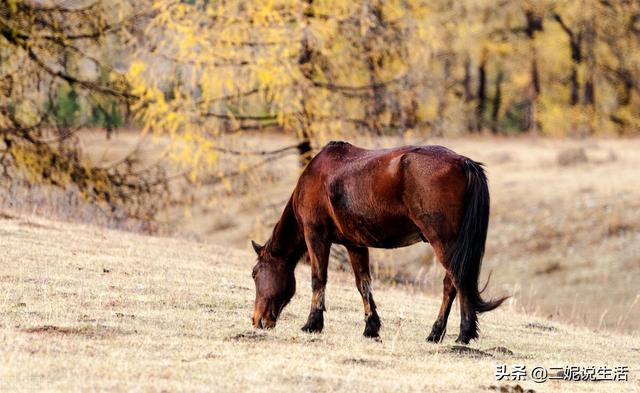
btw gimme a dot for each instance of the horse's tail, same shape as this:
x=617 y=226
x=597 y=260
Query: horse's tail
x=465 y=257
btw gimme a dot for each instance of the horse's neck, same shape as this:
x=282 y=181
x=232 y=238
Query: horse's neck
x=287 y=240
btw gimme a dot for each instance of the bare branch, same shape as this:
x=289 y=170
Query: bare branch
x=257 y=152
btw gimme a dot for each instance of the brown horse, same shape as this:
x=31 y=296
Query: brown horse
x=379 y=198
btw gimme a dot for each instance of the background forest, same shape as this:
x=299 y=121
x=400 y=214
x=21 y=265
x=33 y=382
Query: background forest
x=196 y=117
x=204 y=72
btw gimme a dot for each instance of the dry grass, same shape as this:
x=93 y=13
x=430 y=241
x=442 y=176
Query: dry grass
x=85 y=309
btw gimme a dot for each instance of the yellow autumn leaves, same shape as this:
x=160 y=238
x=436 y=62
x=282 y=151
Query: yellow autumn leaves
x=324 y=68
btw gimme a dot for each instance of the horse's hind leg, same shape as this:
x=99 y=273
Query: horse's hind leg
x=359 y=258
x=468 y=316
x=434 y=229
x=440 y=325
x=318 y=247
x=468 y=321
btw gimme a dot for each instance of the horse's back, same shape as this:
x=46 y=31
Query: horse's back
x=345 y=151
x=381 y=172
x=343 y=159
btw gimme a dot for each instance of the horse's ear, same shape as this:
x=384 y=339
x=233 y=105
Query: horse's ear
x=256 y=247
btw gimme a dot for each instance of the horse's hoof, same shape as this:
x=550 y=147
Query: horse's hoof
x=466 y=335
x=371 y=333
x=311 y=329
x=435 y=337
x=372 y=326
x=315 y=323
x=307 y=328
x=463 y=340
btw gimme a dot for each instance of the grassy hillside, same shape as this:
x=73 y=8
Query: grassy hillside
x=82 y=309
x=564 y=234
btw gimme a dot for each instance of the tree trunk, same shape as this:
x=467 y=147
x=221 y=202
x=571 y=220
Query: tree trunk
x=576 y=59
x=531 y=122
x=589 y=85
x=626 y=79
x=534 y=24
x=575 y=43
x=305 y=59
x=468 y=95
x=497 y=102
x=482 y=92
x=377 y=107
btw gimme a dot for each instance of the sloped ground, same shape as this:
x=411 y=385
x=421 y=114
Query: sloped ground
x=84 y=309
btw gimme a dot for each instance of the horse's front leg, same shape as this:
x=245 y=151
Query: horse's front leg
x=359 y=258
x=318 y=246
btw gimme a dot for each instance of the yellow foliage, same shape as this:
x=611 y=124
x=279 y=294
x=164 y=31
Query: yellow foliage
x=333 y=67
x=136 y=68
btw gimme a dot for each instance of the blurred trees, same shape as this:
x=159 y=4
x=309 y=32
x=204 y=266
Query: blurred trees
x=323 y=69
x=317 y=69
x=53 y=64
x=203 y=72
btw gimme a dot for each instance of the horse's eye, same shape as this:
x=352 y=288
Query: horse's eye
x=254 y=272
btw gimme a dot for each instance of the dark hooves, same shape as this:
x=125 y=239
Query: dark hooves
x=468 y=332
x=372 y=326
x=464 y=339
x=436 y=337
x=315 y=323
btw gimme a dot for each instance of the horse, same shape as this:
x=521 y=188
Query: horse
x=386 y=198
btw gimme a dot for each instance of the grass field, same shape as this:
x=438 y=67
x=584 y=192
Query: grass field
x=85 y=309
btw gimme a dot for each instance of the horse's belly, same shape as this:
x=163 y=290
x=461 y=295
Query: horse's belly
x=392 y=232
x=398 y=240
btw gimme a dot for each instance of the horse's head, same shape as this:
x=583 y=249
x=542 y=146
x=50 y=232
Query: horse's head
x=275 y=286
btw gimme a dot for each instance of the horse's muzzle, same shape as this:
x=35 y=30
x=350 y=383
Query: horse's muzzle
x=261 y=323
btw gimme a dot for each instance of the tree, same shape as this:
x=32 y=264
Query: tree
x=45 y=49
